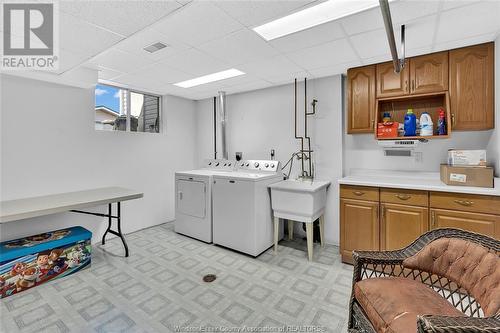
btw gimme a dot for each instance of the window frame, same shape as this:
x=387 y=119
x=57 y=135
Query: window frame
x=129 y=90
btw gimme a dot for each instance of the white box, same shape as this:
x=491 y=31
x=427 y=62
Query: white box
x=467 y=157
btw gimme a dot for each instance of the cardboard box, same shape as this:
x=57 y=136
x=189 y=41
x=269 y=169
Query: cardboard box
x=388 y=130
x=467 y=157
x=467 y=175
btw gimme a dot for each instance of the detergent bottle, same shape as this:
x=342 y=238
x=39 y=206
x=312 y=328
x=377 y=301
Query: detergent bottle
x=426 y=125
x=410 y=123
x=441 y=122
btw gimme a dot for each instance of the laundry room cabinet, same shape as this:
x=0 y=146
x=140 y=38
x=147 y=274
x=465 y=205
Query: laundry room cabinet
x=361 y=99
x=466 y=75
x=373 y=218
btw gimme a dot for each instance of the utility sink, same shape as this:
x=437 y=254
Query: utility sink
x=299 y=200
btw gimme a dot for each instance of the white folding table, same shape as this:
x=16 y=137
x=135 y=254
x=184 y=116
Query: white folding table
x=19 y=209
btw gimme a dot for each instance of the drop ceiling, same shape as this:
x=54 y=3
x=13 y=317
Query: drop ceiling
x=204 y=37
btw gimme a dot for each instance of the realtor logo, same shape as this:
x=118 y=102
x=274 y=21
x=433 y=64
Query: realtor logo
x=29 y=36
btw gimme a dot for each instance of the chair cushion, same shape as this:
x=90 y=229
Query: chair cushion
x=464 y=262
x=392 y=303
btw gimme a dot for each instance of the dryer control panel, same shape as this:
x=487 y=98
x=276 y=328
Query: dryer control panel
x=259 y=165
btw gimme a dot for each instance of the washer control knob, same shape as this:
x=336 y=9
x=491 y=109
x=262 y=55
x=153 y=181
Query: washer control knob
x=229 y=164
x=210 y=163
x=256 y=164
x=217 y=164
x=248 y=164
x=267 y=165
x=272 y=165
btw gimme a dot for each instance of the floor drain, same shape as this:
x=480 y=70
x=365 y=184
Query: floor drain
x=209 y=278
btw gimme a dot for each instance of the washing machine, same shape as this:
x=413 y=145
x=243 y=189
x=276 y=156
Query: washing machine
x=242 y=216
x=193 y=198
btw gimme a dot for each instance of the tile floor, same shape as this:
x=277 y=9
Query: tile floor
x=159 y=288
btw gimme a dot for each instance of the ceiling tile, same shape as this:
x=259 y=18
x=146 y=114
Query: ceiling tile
x=239 y=47
x=107 y=74
x=119 y=61
x=324 y=55
x=273 y=66
x=403 y=11
x=256 y=12
x=139 y=82
x=449 y=4
x=136 y=43
x=469 y=21
x=371 y=44
x=465 y=42
x=122 y=17
x=254 y=85
x=80 y=37
x=195 y=62
x=197 y=23
x=164 y=73
x=420 y=32
x=365 y=21
x=334 y=70
x=314 y=36
x=287 y=78
x=68 y=60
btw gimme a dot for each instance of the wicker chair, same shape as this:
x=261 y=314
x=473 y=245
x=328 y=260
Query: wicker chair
x=455 y=273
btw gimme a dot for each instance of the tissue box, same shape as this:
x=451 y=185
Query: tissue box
x=30 y=261
x=467 y=157
x=467 y=175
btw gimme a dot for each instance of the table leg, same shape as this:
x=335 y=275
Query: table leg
x=290 y=229
x=276 y=233
x=322 y=230
x=310 y=239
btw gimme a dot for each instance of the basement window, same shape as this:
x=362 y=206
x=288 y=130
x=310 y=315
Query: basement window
x=121 y=109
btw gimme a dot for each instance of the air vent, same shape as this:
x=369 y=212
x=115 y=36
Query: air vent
x=155 y=47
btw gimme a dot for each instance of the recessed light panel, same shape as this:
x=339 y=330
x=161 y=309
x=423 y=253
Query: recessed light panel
x=210 y=78
x=324 y=12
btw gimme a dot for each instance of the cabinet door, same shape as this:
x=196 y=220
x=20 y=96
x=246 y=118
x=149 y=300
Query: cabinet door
x=471 y=87
x=401 y=225
x=391 y=84
x=359 y=227
x=485 y=224
x=429 y=73
x=361 y=99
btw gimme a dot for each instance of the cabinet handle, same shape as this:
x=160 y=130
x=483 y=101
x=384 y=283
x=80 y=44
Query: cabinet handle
x=453 y=120
x=433 y=220
x=406 y=85
x=412 y=85
x=464 y=202
x=383 y=213
x=358 y=193
x=403 y=196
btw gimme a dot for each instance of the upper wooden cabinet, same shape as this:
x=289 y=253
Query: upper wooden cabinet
x=471 y=87
x=429 y=73
x=391 y=84
x=361 y=99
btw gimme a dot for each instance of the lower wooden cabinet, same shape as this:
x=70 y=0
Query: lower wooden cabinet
x=401 y=225
x=373 y=218
x=359 y=227
x=485 y=224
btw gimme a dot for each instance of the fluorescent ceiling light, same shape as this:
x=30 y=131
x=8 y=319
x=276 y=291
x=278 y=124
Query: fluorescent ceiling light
x=210 y=78
x=313 y=16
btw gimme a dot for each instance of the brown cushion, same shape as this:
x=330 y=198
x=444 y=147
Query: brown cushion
x=392 y=303
x=466 y=263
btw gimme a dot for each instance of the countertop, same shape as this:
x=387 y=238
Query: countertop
x=426 y=181
x=300 y=185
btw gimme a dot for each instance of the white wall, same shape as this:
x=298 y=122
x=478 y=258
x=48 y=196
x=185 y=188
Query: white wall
x=261 y=120
x=49 y=145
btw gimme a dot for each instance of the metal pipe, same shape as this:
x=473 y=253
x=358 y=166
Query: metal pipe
x=222 y=114
x=296 y=136
x=386 y=14
x=305 y=132
x=215 y=127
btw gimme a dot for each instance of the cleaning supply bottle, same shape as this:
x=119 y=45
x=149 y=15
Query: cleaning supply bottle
x=410 y=123
x=426 y=125
x=442 y=122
